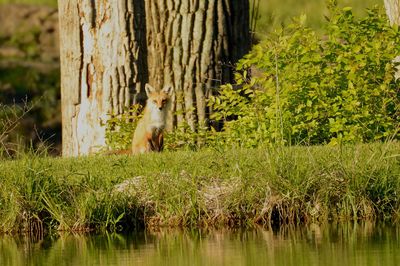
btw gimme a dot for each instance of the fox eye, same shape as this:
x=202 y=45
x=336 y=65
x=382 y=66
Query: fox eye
x=154 y=101
x=164 y=101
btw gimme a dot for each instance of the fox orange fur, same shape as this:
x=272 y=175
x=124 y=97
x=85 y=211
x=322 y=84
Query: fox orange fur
x=148 y=134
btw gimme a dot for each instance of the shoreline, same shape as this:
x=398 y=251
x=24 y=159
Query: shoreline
x=206 y=189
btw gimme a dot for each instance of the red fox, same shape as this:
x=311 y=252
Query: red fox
x=148 y=134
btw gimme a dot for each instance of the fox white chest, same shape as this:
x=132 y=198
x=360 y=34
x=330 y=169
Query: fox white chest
x=157 y=119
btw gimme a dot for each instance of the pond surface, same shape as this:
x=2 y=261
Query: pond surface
x=348 y=244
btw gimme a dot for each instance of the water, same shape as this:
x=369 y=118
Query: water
x=349 y=244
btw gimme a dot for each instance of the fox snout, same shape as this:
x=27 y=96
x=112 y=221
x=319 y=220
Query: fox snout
x=159 y=105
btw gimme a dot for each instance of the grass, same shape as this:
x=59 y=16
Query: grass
x=201 y=189
x=274 y=13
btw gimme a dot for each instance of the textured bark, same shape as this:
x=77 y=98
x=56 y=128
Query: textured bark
x=109 y=51
x=393 y=11
x=192 y=45
x=100 y=58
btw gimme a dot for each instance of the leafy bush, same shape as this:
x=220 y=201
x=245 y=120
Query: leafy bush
x=300 y=87
x=120 y=128
x=303 y=88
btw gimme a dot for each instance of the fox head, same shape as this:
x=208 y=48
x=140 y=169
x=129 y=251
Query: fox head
x=158 y=98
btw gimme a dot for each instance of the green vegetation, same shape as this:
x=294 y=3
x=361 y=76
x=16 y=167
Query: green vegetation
x=30 y=114
x=299 y=88
x=120 y=128
x=274 y=13
x=306 y=89
x=239 y=187
x=29 y=109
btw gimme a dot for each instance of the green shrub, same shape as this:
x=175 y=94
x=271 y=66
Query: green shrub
x=120 y=128
x=297 y=87
x=338 y=88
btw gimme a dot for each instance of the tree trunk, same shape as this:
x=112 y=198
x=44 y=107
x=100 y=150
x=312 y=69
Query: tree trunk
x=109 y=51
x=393 y=11
x=100 y=58
x=192 y=45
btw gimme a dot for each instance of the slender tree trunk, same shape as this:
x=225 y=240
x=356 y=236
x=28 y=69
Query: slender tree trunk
x=393 y=13
x=192 y=46
x=100 y=58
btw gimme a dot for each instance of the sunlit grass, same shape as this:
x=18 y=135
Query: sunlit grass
x=205 y=188
x=274 y=13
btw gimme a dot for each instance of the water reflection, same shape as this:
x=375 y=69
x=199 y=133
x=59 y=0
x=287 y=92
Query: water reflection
x=344 y=244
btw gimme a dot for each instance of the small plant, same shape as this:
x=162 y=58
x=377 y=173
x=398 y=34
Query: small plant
x=120 y=128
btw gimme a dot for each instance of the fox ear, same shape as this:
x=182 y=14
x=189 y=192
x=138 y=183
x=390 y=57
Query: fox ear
x=167 y=89
x=149 y=89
